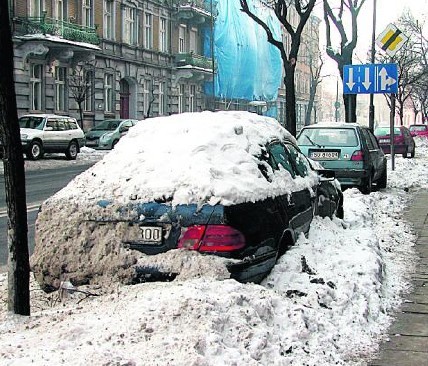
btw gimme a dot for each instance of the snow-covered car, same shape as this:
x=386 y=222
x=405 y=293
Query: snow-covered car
x=232 y=184
x=50 y=133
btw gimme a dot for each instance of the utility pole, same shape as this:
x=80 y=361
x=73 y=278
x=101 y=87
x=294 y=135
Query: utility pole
x=372 y=60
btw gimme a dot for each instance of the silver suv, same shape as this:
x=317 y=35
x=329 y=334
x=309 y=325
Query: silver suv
x=50 y=133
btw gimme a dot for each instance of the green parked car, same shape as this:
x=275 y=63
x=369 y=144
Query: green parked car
x=107 y=133
x=350 y=150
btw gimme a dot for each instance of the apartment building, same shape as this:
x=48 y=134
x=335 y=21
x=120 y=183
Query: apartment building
x=119 y=58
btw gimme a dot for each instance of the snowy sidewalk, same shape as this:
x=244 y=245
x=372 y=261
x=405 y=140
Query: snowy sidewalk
x=408 y=335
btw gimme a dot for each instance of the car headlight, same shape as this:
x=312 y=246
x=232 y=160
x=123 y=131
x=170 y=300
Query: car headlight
x=106 y=136
x=24 y=137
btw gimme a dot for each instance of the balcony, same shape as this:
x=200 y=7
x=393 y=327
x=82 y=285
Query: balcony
x=194 y=60
x=193 y=67
x=196 y=11
x=45 y=25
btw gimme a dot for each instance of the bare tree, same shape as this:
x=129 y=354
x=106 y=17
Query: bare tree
x=14 y=176
x=343 y=55
x=411 y=60
x=315 y=79
x=80 y=83
x=281 y=10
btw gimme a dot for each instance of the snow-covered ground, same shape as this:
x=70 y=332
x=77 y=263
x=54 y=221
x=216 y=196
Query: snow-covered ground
x=328 y=301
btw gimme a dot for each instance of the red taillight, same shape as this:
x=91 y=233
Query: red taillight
x=357 y=156
x=212 y=238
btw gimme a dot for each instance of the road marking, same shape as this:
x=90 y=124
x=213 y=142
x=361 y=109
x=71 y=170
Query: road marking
x=30 y=208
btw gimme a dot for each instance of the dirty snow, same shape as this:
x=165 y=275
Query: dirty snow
x=327 y=301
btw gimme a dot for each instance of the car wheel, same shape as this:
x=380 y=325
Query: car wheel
x=412 y=154
x=114 y=144
x=405 y=153
x=366 y=187
x=340 y=212
x=72 y=150
x=381 y=183
x=35 y=151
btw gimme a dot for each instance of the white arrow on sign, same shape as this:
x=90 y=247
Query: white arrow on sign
x=351 y=83
x=366 y=81
x=385 y=80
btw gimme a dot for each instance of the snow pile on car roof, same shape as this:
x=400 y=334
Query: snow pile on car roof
x=206 y=157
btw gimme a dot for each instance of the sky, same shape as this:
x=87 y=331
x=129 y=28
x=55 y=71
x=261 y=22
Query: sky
x=333 y=310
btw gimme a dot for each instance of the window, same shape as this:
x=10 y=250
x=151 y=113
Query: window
x=130 y=26
x=301 y=164
x=181 y=100
x=148 y=31
x=60 y=10
x=36 y=8
x=182 y=38
x=163 y=31
x=109 y=26
x=146 y=97
x=192 y=40
x=108 y=92
x=87 y=13
x=369 y=142
x=60 y=89
x=192 y=98
x=162 y=103
x=280 y=158
x=36 y=87
x=89 y=91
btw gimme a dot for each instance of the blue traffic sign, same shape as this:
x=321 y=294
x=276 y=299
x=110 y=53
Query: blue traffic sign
x=370 y=79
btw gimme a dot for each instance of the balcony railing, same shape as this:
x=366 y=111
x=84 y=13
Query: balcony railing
x=46 y=25
x=193 y=59
x=196 y=4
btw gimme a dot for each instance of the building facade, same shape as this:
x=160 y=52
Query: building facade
x=119 y=58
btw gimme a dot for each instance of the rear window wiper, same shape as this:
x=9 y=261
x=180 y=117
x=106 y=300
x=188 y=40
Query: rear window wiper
x=313 y=143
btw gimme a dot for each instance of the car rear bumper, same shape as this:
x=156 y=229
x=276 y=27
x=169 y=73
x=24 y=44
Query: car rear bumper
x=398 y=149
x=351 y=177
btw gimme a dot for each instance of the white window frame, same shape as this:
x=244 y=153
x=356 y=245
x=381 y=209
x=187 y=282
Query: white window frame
x=163 y=35
x=193 y=36
x=60 y=10
x=148 y=31
x=36 y=8
x=88 y=13
x=89 y=95
x=108 y=92
x=36 y=82
x=109 y=24
x=181 y=98
x=146 y=95
x=60 y=88
x=162 y=102
x=192 y=98
x=130 y=25
x=182 y=29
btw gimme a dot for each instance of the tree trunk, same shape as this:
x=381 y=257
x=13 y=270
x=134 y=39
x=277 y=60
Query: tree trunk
x=308 y=116
x=290 y=100
x=81 y=114
x=349 y=100
x=14 y=176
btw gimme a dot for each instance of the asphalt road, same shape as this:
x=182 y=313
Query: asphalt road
x=40 y=185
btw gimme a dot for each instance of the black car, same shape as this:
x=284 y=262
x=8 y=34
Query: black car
x=231 y=184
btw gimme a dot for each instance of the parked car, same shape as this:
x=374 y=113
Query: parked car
x=403 y=140
x=349 y=149
x=106 y=134
x=229 y=184
x=419 y=130
x=50 y=133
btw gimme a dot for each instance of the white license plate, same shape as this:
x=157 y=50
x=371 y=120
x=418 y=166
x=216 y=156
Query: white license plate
x=151 y=234
x=384 y=141
x=324 y=155
x=91 y=143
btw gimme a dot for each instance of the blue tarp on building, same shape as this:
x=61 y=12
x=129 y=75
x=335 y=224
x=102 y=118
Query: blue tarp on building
x=248 y=67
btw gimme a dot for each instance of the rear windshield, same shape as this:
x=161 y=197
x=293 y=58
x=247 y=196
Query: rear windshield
x=418 y=128
x=107 y=125
x=328 y=137
x=31 y=122
x=382 y=131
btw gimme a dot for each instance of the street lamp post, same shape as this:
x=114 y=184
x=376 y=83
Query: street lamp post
x=372 y=60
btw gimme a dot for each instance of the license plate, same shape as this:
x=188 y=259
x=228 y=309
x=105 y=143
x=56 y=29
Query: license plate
x=325 y=155
x=384 y=141
x=91 y=143
x=151 y=234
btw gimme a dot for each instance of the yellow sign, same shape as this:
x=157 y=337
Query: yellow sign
x=391 y=39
